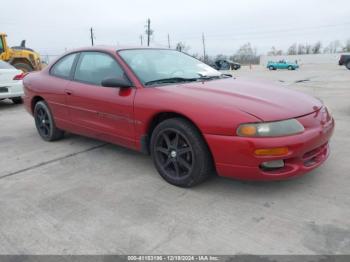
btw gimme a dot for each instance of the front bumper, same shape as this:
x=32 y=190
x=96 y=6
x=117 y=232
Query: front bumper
x=234 y=156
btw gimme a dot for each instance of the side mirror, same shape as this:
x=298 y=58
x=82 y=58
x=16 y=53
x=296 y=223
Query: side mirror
x=116 y=82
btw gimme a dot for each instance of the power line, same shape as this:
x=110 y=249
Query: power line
x=280 y=30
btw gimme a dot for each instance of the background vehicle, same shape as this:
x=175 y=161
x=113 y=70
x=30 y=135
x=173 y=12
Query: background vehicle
x=223 y=64
x=11 y=82
x=345 y=60
x=20 y=57
x=282 y=64
x=191 y=118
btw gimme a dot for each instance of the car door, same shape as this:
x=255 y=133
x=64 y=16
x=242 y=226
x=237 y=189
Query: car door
x=102 y=112
x=57 y=81
x=284 y=64
x=278 y=65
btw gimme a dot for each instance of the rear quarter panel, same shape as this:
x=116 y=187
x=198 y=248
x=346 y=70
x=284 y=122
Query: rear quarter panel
x=51 y=89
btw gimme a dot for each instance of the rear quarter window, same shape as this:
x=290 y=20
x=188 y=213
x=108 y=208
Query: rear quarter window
x=62 y=68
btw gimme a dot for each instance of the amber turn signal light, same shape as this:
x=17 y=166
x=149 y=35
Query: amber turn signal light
x=247 y=130
x=277 y=151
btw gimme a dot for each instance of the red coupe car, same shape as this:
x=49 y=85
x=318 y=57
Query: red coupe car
x=192 y=119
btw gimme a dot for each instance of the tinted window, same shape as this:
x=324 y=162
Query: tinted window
x=63 y=67
x=4 y=65
x=93 y=67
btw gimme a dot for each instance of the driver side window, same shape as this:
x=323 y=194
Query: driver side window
x=93 y=67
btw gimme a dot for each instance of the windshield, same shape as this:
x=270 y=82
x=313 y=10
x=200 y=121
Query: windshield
x=155 y=65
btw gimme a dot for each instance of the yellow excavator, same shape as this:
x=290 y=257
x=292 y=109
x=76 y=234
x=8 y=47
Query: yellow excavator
x=21 y=57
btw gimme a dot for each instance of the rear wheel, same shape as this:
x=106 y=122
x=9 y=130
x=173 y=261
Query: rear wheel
x=45 y=123
x=24 y=67
x=180 y=154
x=17 y=100
x=348 y=65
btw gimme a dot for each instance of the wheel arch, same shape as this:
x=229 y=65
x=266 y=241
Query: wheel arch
x=22 y=60
x=158 y=118
x=35 y=100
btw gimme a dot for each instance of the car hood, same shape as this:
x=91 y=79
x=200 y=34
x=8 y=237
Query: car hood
x=264 y=100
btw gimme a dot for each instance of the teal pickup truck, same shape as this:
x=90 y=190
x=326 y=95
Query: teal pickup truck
x=282 y=64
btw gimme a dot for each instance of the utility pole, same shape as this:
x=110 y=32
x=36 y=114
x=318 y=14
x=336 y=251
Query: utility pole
x=204 y=54
x=92 y=36
x=168 y=41
x=141 y=39
x=148 y=30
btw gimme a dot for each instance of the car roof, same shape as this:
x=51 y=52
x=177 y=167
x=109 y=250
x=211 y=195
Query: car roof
x=113 y=48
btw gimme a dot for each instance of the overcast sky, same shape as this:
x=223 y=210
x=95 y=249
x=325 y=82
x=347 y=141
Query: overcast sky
x=51 y=26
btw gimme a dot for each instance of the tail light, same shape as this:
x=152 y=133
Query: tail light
x=20 y=76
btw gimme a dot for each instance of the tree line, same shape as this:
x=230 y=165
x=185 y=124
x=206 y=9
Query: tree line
x=317 y=48
x=247 y=54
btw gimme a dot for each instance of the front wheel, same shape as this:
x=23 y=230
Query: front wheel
x=290 y=68
x=180 y=154
x=45 y=124
x=271 y=68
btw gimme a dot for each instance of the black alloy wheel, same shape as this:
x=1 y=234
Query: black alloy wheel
x=179 y=153
x=174 y=154
x=45 y=124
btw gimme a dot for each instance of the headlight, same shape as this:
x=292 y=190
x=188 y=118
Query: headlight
x=278 y=128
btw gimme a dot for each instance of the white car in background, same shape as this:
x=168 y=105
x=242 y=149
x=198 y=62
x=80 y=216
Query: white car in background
x=11 y=83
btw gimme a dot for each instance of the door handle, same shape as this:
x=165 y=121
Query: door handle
x=68 y=92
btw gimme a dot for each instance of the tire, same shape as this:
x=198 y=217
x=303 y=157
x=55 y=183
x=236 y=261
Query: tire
x=24 y=67
x=348 y=65
x=17 y=100
x=45 y=124
x=271 y=68
x=290 y=68
x=186 y=169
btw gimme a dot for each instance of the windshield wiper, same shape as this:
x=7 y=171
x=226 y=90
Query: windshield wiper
x=170 y=80
x=183 y=79
x=208 y=77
